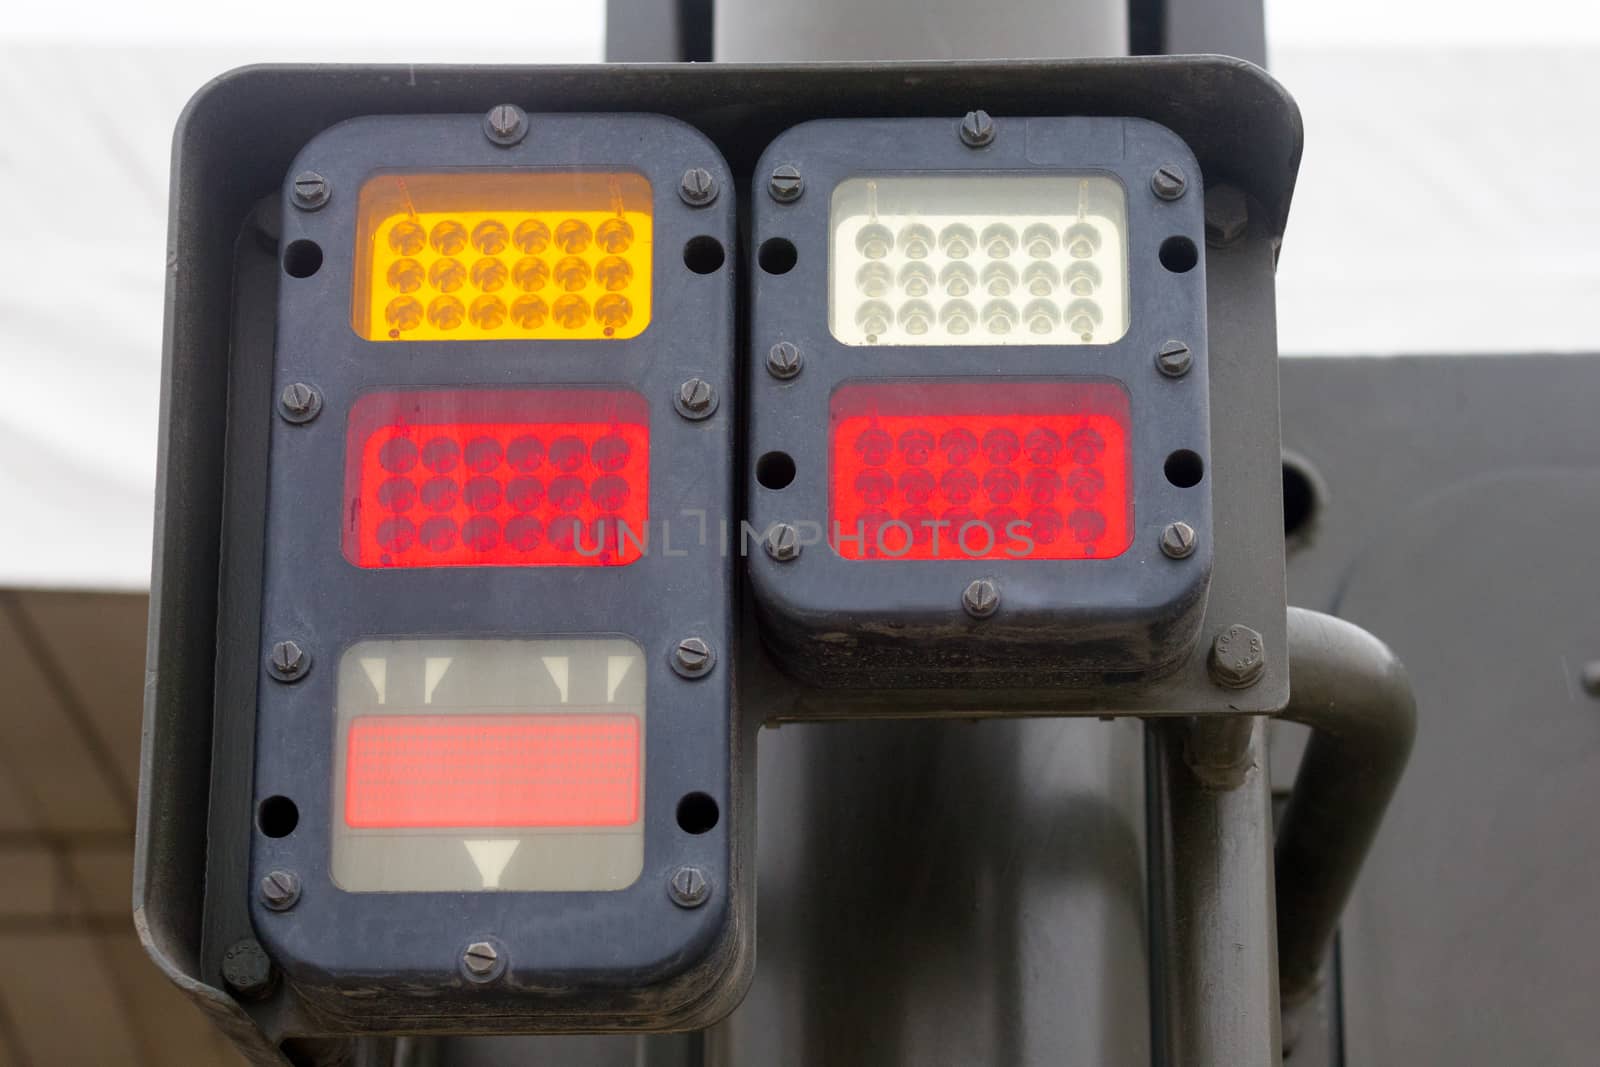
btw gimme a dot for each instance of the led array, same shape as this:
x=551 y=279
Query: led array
x=978 y=260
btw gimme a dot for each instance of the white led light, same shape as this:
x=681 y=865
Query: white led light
x=979 y=259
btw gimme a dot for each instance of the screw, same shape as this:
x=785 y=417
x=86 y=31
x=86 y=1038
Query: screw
x=1591 y=678
x=299 y=403
x=482 y=961
x=280 y=890
x=693 y=658
x=688 y=887
x=977 y=129
x=698 y=188
x=981 y=598
x=786 y=185
x=288 y=662
x=247 y=970
x=695 y=399
x=1178 y=540
x=505 y=124
x=1174 y=359
x=783 y=543
x=1238 y=658
x=783 y=360
x=1168 y=182
x=1227 y=215
x=310 y=190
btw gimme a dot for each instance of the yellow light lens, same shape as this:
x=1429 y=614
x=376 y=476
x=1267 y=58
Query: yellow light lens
x=454 y=256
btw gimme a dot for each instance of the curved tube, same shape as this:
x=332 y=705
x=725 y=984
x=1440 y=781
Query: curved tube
x=1351 y=690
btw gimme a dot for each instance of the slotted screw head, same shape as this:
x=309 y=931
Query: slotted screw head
x=1174 y=359
x=482 y=960
x=1238 y=657
x=1178 y=540
x=280 y=890
x=977 y=129
x=783 y=360
x=693 y=658
x=299 y=403
x=981 y=599
x=1169 y=181
x=288 y=662
x=783 y=543
x=505 y=124
x=309 y=190
x=785 y=185
x=688 y=887
x=695 y=399
x=698 y=188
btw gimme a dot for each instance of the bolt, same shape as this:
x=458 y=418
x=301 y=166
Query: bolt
x=1238 y=658
x=1178 y=540
x=783 y=360
x=695 y=399
x=1227 y=215
x=299 y=403
x=505 y=124
x=783 y=543
x=1174 y=359
x=698 y=188
x=310 y=190
x=786 y=185
x=977 y=129
x=288 y=662
x=981 y=598
x=693 y=658
x=1168 y=182
x=482 y=961
x=247 y=970
x=1591 y=678
x=280 y=890
x=688 y=887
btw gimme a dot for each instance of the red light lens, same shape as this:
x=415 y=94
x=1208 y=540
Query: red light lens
x=476 y=478
x=977 y=470
x=457 y=771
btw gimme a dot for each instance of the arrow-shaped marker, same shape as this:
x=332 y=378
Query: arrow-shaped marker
x=491 y=857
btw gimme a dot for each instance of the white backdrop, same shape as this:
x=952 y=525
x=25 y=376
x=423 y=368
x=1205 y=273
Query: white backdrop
x=1446 y=204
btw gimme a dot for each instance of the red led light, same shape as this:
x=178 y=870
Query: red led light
x=478 y=477
x=462 y=771
x=978 y=470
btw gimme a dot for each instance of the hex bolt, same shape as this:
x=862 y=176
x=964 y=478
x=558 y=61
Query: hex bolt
x=693 y=658
x=247 y=970
x=1238 y=658
x=1178 y=540
x=980 y=598
x=1169 y=181
x=698 y=188
x=1227 y=215
x=483 y=962
x=1590 y=678
x=280 y=890
x=786 y=185
x=310 y=190
x=688 y=887
x=288 y=662
x=299 y=403
x=695 y=399
x=783 y=543
x=505 y=124
x=977 y=129
x=783 y=360
x=1174 y=359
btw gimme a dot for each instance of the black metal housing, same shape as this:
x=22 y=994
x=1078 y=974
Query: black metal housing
x=833 y=621
x=622 y=958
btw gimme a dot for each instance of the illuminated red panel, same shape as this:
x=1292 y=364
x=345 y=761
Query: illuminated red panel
x=980 y=470
x=439 y=771
x=480 y=477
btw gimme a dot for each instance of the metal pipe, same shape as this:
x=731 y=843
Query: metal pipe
x=1351 y=690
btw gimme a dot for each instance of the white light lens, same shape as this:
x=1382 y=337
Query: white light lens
x=979 y=259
